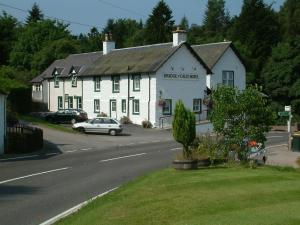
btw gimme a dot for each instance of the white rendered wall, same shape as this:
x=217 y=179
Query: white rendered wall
x=54 y=93
x=2 y=122
x=230 y=62
x=182 y=62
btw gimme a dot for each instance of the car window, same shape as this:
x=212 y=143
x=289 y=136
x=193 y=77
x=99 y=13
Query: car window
x=96 y=121
x=113 y=121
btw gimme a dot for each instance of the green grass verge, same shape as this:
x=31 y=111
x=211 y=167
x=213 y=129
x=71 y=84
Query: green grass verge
x=266 y=195
x=43 y=123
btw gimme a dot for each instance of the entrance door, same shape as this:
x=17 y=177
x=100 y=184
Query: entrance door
x=113 y=109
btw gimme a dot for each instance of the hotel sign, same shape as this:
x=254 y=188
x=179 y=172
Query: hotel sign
x=173 y=76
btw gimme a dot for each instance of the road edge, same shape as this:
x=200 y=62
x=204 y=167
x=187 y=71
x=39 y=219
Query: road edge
x=74 y=209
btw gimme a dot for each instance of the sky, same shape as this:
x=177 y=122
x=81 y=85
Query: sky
x=97 y=12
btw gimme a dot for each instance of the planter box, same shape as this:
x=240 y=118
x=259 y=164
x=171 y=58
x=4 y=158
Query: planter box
x=203 y=162
x=185 y=164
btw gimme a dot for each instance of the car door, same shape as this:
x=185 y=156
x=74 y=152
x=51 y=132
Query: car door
x=106 y=125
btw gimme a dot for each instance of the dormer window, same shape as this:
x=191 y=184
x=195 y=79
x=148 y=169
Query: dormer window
x=55 y=74
x=73 y=73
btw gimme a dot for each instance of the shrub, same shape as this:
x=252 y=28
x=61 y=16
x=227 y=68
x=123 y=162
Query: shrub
x=146 y=124
x=125 y=120
x=184 y=127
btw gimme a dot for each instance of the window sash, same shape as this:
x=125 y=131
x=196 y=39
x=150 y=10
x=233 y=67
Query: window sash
x=59 y=102
x=228 y=78
x=136 y=106
x=56 y=82
x=74 y=81
x=167 y=107
x=116 y=85
x=113 y=106
x=97 y=85
x=96 y=105
x=124 y=105
x=79 y=103
x=70 y=102
x=136 y=83
x=197 y=105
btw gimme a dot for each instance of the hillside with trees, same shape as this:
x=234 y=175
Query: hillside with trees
x=269 y=42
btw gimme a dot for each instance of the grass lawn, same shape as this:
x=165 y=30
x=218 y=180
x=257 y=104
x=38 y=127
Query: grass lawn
x=44 y=123
x=266 y=195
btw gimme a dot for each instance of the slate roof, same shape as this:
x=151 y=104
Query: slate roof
x=78 y=62
x=143 y=59
x=211 y=53
x=48 y=72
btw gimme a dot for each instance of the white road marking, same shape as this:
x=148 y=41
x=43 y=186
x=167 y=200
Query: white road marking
x=32 y=175
x=74 y=209
x=155 y=141
x=21 y=157
x=274 y=146
x=75 y=150
x=129 y=144
x=175 y=149
x=85 y=149
x=275 y=137
x=123 y=157
x=143 y=142
x=54 y=153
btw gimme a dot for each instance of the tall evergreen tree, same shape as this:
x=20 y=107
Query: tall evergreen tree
x=184 y=23
x=256 y=29
x=35 y=14
x=289 y=17
x=216 y=20
x=159 y=25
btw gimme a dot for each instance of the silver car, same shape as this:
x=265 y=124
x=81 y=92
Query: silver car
x=99 y=125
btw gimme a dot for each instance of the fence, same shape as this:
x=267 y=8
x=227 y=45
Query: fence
x=23 y=139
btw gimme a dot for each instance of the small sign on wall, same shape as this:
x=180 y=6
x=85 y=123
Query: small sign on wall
x=173 y=76
x=287 y=108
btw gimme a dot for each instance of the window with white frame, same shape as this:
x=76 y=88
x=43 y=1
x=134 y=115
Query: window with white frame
x=79 y=102
x=136 y=106
x=97 y=81
x=167 y=107
x=37 y=87
x=56 y=82
x=197 y=105
x=228 y=78
x=74 y=81
x=116 y=84
x=136 y=83
x=59 y=102
x=123 y=105
x=96 y=105
x=70 y=102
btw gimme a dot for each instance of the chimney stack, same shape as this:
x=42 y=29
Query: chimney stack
x=108 y=44
x=179 y=36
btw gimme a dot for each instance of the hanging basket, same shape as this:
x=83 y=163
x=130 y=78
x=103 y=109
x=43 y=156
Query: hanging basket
x=161 y=102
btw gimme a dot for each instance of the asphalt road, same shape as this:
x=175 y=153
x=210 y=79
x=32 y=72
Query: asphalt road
x=78 y=167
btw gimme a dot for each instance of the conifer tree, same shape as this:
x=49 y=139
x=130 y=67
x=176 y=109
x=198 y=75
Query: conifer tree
x=35 y=14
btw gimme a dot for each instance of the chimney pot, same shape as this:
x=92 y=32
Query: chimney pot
x=179 y=36
x=108 y=44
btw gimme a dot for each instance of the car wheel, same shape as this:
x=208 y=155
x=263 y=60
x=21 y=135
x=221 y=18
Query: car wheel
x=81 y=129
x=73 y=121
x=112 y=132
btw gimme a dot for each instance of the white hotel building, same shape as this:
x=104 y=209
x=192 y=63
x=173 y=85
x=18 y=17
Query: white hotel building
x=142 y=83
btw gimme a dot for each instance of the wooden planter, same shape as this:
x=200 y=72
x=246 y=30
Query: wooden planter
x=185 y=164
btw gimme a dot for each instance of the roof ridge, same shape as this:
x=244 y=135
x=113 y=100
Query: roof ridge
x=85 y=53
x=215 y=43
x=142 y=46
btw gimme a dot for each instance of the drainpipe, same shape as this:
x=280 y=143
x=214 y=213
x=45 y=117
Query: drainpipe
x=81 y=94
x=64 y=100
x=149 y=97
x=128 y=96
x=48 y=95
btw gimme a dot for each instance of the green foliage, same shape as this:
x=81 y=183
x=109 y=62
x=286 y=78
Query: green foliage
x=216 y=19
x=91 y=42
x=184 y=23
x=184 y=127
x=8 y=34
x=289 y=18
x=159 y=25
x=11 y=79
x=35 y=14
x=33 y=39
x=282 y=75
x=241 y=115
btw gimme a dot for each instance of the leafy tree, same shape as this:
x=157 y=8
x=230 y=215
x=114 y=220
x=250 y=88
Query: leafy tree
x=257 y=29
x=282 y=73
x=159 y=25
x=33 y=39
x=123 y=31
x=11 y=79
x=8 y=34
x=216 y=20
x=35 y=14
x=289 y=18
x=240 y=115
x=91 y=42
x=184 y=127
